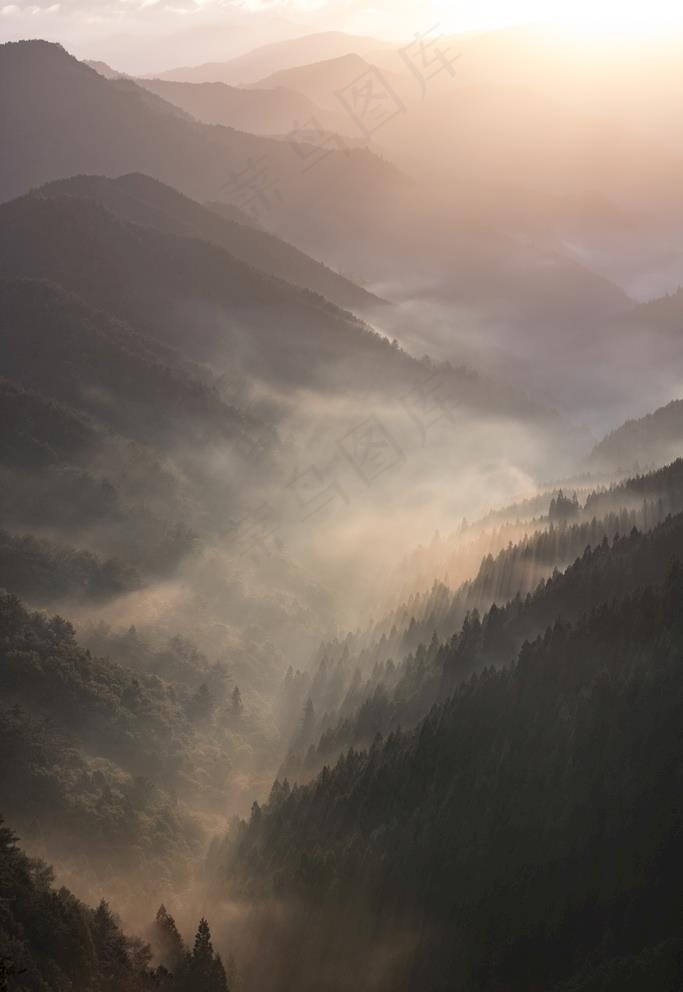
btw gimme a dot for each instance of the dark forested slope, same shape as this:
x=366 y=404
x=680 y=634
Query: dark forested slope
x=50 y=941
x=528 y=830
x=144 y=200
x=648 y=441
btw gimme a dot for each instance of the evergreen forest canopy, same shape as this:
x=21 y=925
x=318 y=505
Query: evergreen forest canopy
x=341 y=530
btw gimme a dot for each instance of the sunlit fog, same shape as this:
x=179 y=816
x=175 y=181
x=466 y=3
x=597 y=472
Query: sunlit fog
x=341 y=496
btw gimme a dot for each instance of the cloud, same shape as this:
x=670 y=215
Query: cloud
x=11 y=9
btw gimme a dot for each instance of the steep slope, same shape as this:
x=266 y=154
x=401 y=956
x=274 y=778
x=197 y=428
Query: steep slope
x=96 y=440
x=36 y=432
x=145 y=201
x=320 y=80
x=352 y=209
x=51 y=940
x=649 y=441
x=263 y=61
x=191 y=295
x=525 y=834
x=48 y=937
x=377 y=681
x=77 y=728
x=59 y=118
x=277 y=112
x=200 y=301
x=54 y=343
x=103 y=69
x=664 y=315
x=42 y=572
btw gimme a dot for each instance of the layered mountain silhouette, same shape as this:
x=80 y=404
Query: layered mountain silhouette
x=190 y=294
x=269 y=112
x=663 y=316
x=321 y=80
x=61 y=118
x=140 y=199
x=348 y=628
x=81 y=356
x=105 y=70
x=352 y=209
x=267 y=59
x=646 y=442
x=149 y=257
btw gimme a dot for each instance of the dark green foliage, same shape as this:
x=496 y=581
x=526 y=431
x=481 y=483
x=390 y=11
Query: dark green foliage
x=177 y=660
x=563 y=507
x=658 y=967
x=197 y=970
x=45 y=670
x=203 y=969
x=103 y=749
x=35 y=432
x=49 y=940
x=43 y=572
x=201 y=704
x=237 y=706
x=154 y=282
x=55 y=344
x=168 y=942
x=394 y=695
x=657 y=437
x=531 y=823
x=143 y=200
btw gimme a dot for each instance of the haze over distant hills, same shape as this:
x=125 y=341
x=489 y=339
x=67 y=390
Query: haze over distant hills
x=276 y=111
x=264 y=61
x=142 y=200
x=647 y=442
x=62 y=118
x=242 y=319
x=325 y=615
x=105 y=70
x=352 y=210
x=161 y=280
x=321 y=80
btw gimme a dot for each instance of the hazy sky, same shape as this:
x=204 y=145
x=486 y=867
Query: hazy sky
x=139 y=35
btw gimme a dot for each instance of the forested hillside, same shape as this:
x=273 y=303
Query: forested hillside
x=341 y=497
x=388 y=676
x=649 y=441
x=50 y=940
x=143 y=200
x=489 y=831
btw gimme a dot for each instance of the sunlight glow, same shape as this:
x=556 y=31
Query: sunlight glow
x=586 y=18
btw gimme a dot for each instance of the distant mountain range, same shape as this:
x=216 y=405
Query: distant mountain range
x=321 y=80
x=276 y=111
x=189 y=294
x=105 y=70
x=264 y=61
x=643 y=443
x=142 y=200
x=61 y=118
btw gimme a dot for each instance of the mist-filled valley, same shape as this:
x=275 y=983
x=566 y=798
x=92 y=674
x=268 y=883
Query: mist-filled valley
x=341 y=500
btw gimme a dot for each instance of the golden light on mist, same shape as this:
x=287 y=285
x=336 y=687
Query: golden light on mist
x=599 y=19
